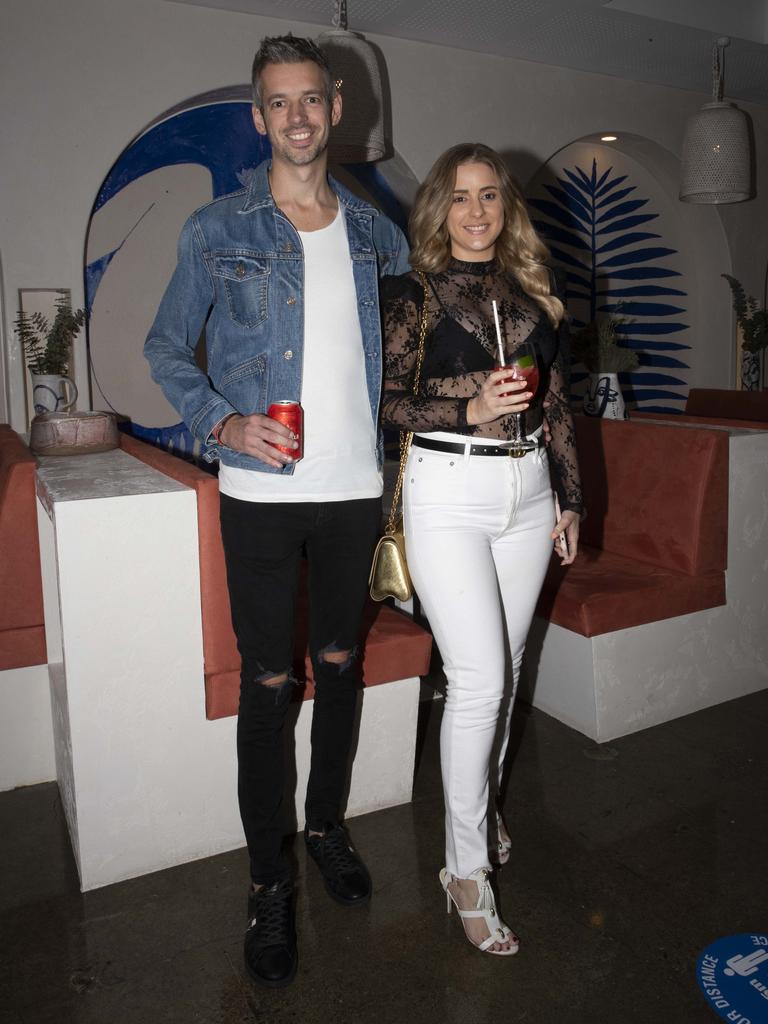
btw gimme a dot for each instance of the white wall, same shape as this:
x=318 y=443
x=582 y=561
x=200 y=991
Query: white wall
x=79 y=80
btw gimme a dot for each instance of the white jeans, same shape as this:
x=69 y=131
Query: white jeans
x=477 y=531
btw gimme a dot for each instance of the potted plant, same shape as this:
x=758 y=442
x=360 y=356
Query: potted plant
x=597 y=346
x=47 y=348
x=753 y=322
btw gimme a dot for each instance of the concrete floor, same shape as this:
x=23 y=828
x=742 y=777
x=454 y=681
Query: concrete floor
x=627 y=861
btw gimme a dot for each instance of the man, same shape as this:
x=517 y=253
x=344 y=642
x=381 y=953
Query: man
x=284 y=276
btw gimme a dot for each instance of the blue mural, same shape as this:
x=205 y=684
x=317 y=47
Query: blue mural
x=219 y=136
x=596 y=227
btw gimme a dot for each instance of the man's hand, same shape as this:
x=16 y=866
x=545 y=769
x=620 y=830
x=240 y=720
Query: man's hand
x=257 y=435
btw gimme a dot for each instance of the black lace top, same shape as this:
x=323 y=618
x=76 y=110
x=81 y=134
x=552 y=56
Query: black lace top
x=460 y=351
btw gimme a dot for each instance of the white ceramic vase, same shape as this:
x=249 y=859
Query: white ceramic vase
x=603 y=397
x=52 y=392
x=751 y=370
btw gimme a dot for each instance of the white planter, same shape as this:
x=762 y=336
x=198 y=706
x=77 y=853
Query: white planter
x=751 y=370
x=603 y=397
x=52 y=392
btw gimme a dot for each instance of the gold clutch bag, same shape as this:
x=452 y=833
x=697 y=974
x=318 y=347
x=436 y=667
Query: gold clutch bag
x=389 y=572
x=389 y=576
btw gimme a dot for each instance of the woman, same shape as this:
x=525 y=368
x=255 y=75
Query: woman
x=479 y=525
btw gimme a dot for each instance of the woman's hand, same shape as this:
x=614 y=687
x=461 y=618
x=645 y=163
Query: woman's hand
x=500 y=395
x=566 y=529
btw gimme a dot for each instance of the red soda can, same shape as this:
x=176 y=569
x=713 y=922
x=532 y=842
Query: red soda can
x=292 y=416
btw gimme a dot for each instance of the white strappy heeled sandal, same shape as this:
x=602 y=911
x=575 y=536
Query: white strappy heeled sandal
x=501 y=848
x=485 y=908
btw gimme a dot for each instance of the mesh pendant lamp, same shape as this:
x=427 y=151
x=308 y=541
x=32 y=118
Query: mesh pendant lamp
x=716 y=150
x=359 y=137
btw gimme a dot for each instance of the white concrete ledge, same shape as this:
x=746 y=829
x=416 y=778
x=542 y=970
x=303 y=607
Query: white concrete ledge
x=146 y=781
x=26 y=731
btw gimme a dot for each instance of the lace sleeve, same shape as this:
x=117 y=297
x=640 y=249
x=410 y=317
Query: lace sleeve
x=562 y=449
x=402 y=303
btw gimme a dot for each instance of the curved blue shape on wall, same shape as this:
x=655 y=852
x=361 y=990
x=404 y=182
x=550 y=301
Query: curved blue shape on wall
x=220 y=137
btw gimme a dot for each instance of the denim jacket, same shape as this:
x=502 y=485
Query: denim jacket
x=240 y=274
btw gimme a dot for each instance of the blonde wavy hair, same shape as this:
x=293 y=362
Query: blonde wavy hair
x=519 y=250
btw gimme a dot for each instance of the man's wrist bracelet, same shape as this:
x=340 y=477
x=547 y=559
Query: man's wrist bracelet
x=216 y=431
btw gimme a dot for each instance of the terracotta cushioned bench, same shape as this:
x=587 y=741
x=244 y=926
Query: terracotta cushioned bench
x=654 y=542
x=394 y=647
x=649 y=624
x=22 y=630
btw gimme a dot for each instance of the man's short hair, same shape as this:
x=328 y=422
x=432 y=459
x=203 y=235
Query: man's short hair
x=289 y=49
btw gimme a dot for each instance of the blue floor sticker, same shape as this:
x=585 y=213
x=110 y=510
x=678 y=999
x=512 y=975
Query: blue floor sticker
x=733 y=975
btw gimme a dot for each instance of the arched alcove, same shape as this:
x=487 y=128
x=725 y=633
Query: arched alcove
x=611 y=216
x=201 y=149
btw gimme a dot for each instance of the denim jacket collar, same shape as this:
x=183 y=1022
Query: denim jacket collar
x=258 y=194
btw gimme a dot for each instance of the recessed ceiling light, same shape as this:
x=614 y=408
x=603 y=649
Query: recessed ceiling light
x=608 y=138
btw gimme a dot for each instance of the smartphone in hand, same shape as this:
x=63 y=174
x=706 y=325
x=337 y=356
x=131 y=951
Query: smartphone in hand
x=562 y=540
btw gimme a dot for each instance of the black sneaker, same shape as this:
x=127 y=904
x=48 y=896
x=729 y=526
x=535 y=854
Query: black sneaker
x=346 y=877
x=270 y=942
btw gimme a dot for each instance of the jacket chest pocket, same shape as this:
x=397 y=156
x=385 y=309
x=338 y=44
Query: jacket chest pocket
x=245 y=282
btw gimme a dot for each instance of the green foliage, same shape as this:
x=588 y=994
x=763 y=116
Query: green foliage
x=751 y=318
x=47 y=346
x=598 y=348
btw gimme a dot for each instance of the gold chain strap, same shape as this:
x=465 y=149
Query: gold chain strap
x=407 y=436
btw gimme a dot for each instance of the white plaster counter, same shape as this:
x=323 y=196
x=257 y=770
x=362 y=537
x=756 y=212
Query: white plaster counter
x=122 y=611
x=146 y=780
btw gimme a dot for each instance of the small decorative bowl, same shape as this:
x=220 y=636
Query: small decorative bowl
x=73 y=433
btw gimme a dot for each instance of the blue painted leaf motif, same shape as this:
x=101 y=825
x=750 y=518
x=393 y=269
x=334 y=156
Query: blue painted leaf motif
x=571 y=203
x=561 y=256
x=624 y=240
x=618 y=211
x=638 y=328
x=648 y=345
x=582 y=282
x=641 y=273
x=638 y=289
x=577 y=197
x=580 y=184
x=556 y=234
x=633 y=309
x=636 y=256
x=558 y=213
x=626 y=222
x=603 y=176
x=656 y=360
x=610 y=186
x=615 y=196
x=588 y=217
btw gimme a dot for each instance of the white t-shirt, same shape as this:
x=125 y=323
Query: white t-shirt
x=339 y=461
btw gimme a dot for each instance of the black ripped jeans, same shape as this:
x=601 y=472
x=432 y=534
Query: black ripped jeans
x=263 y=544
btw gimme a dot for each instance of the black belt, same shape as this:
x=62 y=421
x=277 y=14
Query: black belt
x=458 y=448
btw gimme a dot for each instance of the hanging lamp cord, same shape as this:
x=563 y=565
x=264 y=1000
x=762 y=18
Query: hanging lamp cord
x=340 y=14
x=718 y=63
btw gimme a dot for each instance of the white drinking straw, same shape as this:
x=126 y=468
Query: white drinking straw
x=498 y=333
